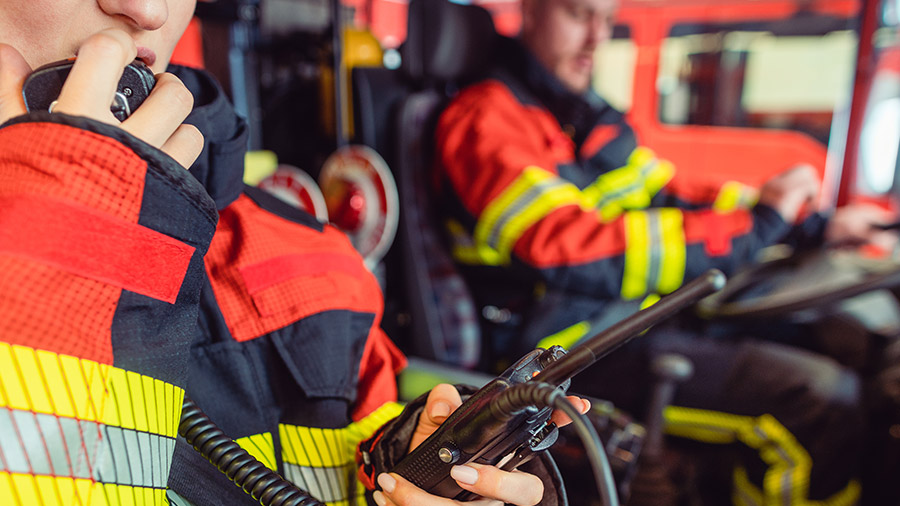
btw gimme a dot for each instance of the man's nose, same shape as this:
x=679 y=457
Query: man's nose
x=143 y=14
x=599 y=31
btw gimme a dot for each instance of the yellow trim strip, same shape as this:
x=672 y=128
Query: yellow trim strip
x=674 y=250
x=321 y=460
x=637 y=254
x=655 y=252
x=631 y=186
x=302 y=445
x=49 y=383
x=786 y=481
x=532 y=196
x=734 y=195
x=28 y=490
x=466 y=251
x=566 y=337
x=261 y=447
x=745 y=493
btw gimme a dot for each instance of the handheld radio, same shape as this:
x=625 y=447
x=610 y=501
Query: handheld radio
x=42 y=87
x=508 y=420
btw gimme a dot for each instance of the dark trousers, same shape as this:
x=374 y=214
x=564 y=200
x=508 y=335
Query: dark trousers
x=793 y=419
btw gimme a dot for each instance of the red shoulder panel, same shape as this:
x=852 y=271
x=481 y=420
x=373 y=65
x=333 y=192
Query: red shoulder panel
x=268 y=272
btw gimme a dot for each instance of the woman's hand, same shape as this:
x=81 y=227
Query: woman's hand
x=90 y=89
x=494 y=485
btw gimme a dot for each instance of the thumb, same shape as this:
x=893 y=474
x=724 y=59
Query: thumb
x=13 y=71
x=442 y=401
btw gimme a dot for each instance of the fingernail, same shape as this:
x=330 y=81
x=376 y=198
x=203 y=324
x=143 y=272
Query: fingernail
x=379 y=498
x=440 y=410
x=464 y=474
x=387 y=482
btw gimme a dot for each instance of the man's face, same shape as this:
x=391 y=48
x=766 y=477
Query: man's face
x=564 y=34
x=45 y=31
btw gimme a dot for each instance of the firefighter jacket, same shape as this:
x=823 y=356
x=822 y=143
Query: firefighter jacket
x=126 y=281
x=546 y=191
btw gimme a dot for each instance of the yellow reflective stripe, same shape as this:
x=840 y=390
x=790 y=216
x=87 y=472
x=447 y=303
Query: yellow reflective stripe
x=532 y=196
x=655 y=252
x=363 y=429
x=674 y=250
x=27 y=490
x=659 y=177
x=786 y=481
x=46 y=382
x=323 y=461
x=566 y=337
x=631 y=186
x=466 y=251
x=314 y=447
x=637 y=254
x=734 y=195
x=261 y=447
x=74 y=431
x=847 y=497
x=745 y=493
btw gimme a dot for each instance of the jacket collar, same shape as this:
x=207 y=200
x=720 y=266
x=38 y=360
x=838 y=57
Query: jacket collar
x=220 y=167
x=580 y=110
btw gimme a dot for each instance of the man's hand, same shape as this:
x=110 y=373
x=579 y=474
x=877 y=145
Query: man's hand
x=856 y=225
x=91 y=86
x=495 y=486
x=789 y=192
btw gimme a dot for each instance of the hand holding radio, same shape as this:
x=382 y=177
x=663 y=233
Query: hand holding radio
x=90 y=87
x=508 y=421
x=492 y=483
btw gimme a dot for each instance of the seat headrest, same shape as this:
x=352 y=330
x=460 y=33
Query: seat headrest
x=447 y=41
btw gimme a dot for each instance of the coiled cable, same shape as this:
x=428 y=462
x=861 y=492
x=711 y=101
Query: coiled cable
x=262 y=483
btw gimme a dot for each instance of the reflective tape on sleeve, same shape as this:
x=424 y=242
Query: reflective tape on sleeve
x=631 y=186
x=733 y=196
x=655 y=252
x=532 y=196
x=85 y=429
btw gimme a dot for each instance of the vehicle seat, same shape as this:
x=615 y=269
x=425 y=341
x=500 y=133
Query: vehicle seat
x=395 y=112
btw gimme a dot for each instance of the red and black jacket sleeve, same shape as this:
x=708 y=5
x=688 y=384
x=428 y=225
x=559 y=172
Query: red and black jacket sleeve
x=102 y=240
x=516 y=202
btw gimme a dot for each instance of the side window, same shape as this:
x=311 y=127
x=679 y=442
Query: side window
x=879 y=141
x=614 y=69
x=758 y=74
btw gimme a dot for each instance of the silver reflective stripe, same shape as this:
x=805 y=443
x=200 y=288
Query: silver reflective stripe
x=328 y=484
x=48 y=445
x=654 y=224
x=639 y=183
x=520 y=204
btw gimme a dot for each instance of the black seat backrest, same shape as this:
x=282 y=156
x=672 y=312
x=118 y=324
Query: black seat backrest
x=447 y=44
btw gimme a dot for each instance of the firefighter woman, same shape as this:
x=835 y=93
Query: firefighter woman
x=564 y=223
x=126 y=281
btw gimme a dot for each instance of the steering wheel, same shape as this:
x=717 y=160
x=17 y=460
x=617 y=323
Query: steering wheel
x=789 y=282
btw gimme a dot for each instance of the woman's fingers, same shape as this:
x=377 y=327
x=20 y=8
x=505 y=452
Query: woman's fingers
x=91 y=86
x=442 y=400
x=521 y=489
x=13 y=71
x=184 y=145
x=159 y=121
x=396 y=491
x=582 y=405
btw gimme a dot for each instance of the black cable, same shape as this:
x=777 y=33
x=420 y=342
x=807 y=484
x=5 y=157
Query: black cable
x=262 y=483
x=523 y=395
